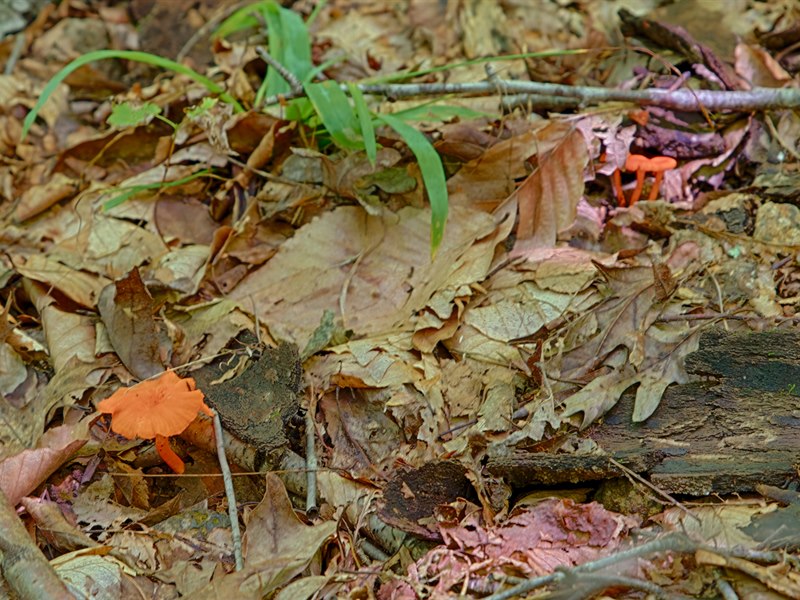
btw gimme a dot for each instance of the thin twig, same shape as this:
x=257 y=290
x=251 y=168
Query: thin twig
x=657 y=490
x=702 y=317
x=233 y=511
x=311 y=465
x=725 y=589
x=684 y=99
x=585 y=585
x=294 y=83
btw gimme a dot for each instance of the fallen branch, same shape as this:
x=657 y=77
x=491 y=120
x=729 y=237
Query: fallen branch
x=684 y=99
x=26 y=570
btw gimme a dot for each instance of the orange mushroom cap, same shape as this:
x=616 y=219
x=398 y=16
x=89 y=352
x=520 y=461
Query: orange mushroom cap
x=637 y=162
x=163 y=406
x=662 y=163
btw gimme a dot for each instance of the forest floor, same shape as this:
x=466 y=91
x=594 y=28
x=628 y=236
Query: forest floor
x=518 y=317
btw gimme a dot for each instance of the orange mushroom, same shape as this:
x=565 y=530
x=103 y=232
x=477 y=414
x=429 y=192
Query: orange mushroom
x=639 y=164
x=156 y=408
x=642 y=165
x=658 y=165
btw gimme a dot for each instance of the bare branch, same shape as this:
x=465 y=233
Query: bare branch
x=542 y=93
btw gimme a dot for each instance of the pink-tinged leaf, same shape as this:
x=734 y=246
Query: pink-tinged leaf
x=22 y=473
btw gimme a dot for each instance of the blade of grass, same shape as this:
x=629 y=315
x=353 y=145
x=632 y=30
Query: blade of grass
x=431 y=111
x=336 y=114
x=430 y=165
x=133 y=55
x=126 y=193
x=365 y=123
x=241 y=19
x=289 y=44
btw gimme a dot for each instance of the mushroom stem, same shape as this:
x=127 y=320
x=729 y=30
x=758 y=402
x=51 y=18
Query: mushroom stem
x=616 y=183
x=637 y=192
x=165 y=452
x=656 y=184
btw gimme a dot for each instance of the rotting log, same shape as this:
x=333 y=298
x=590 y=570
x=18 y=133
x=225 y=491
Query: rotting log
x=735 y=429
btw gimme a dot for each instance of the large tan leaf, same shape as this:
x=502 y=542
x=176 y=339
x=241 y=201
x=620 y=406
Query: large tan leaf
x=274 y=532
x=374 y=272
x=492 y=176
x=599 y=395
x=38 y=198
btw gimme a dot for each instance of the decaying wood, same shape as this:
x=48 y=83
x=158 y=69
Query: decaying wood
x=23 y=566
x=738 y=428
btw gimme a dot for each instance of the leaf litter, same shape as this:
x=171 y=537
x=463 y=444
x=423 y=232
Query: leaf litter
x=137 y=244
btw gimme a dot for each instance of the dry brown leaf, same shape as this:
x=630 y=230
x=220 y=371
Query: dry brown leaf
x=68 y=335
x=662 y=372
x=599 y=395
x=548 y=199
x=492 y=176
x=12 y=369
x=84 y=288
x=370 y=363
x=277 y=546
x=38 y=198
x=24 y=425
x=57 y=530
x=128 y=312
x=95 y=506
x=364 y=439
x=759 y=68
x=206 y=328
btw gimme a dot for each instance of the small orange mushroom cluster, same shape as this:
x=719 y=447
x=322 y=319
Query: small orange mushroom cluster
x=642 y=165
x=156 y=408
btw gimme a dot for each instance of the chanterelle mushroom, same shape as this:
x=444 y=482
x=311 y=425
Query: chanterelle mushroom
x=156 y=408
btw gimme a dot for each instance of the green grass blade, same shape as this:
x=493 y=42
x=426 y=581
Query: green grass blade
x=430 y=164
x=289 y=44
x=336 y=114
x=126 y=193
x=134 y=55
x=315 y=12
x=365 y=123
x=241 y=19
